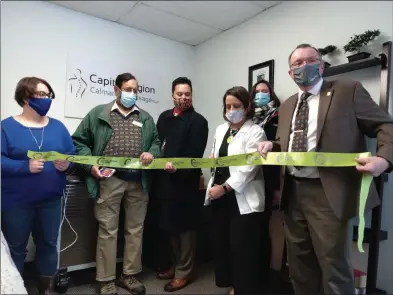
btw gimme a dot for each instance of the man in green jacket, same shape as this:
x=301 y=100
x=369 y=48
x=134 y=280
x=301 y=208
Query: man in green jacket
x=119 y=129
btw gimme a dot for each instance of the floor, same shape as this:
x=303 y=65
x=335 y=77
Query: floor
x=82 y=282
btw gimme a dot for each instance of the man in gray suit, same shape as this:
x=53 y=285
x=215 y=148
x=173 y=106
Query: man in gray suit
x=320 y=202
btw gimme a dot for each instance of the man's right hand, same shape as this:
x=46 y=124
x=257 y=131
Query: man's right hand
x=95 y=171
x=264 y=147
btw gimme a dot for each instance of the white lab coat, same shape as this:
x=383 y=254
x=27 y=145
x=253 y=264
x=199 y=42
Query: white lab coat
x=246 y=181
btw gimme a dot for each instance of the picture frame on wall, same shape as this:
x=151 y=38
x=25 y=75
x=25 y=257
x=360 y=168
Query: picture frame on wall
x=261 y=71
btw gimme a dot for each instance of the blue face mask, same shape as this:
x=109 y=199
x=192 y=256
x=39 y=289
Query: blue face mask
x=261 y=99
x=307 y=75
x=128 y=99
x=40 y=105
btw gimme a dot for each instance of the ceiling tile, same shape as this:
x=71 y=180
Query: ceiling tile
x=110 y=10
x=217 y=14
x=167 y=25
x=266 y=4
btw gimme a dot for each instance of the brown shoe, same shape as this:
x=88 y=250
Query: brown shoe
x=107 y=288
x=166 y=275
x=176 y=284
x=46 y=285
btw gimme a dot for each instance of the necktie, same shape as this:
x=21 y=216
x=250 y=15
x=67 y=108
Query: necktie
x=299 y=143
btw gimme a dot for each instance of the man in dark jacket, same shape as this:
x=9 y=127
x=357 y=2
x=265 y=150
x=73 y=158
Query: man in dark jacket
x=183 y=134
x=119 y=129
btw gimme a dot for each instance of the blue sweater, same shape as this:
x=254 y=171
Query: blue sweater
x=18 y=185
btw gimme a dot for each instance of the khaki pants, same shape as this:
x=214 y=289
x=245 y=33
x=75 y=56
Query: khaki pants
x=107 y=210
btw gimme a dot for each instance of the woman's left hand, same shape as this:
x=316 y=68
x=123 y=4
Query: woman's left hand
x=61 y=165
x=216 y=192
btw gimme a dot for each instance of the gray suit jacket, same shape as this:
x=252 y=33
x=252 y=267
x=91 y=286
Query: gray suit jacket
x=344 y=117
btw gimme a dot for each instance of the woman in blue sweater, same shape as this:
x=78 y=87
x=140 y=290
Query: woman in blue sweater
x=31 y=190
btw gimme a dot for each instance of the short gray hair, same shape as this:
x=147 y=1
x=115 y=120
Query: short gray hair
x=304 y=45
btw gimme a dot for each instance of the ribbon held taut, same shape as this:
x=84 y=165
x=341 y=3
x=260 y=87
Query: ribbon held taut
x=313 y=159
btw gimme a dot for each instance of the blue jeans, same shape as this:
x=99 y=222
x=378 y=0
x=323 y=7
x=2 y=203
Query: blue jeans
x=43 y=221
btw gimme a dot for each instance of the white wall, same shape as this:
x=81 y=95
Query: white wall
x=36 y=37
x=223 y=62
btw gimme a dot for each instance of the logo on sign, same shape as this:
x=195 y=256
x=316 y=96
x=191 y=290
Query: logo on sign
x=77 y=84
x=103 y=86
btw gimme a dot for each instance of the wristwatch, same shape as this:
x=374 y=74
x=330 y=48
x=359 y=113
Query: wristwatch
x=225 y=187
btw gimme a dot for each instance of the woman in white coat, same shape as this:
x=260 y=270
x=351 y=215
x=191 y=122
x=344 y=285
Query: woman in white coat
x=237 y=197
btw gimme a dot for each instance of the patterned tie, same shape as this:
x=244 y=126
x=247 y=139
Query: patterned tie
x=300 y=129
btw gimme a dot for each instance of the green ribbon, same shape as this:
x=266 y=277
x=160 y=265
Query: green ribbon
x=310 y=159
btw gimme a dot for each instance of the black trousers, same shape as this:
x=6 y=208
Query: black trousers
x=240 y=247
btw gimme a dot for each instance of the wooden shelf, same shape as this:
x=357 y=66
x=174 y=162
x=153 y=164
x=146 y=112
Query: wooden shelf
x=353 y=66
x=383 y=235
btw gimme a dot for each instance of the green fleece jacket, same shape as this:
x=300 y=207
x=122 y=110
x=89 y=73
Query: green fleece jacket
x=94 y=133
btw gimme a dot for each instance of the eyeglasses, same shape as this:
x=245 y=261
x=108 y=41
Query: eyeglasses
x=43 y=94
x=300 y=63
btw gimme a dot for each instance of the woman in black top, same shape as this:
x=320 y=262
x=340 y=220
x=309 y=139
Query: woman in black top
x=266 y=108
x=237 y=197
x=266 y=116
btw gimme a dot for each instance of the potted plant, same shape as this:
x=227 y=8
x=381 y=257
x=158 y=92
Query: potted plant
x=327 y=50
x=356 y=44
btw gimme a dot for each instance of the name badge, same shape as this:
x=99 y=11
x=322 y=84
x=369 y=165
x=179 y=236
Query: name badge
x=136 y=123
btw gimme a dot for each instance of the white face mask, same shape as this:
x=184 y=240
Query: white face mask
x=235 y=116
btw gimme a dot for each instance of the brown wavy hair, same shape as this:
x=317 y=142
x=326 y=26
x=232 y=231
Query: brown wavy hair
x=26 y=88
x=241 y=94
